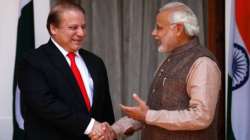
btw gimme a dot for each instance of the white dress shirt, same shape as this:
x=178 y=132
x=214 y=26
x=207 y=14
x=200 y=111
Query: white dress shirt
x=86 y=77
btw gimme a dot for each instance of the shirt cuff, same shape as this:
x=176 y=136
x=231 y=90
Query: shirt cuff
x=90 y=126
x=150 y=116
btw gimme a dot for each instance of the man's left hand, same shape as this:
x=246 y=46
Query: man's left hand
x=138 y=112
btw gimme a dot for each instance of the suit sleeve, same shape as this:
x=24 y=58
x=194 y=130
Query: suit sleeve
x=109 y=117
x=41 y=101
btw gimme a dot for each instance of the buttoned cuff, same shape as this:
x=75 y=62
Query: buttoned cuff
x=90 y=127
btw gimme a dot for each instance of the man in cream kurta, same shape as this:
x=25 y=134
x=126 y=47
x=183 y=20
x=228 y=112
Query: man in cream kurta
x=184 y=94
x=203 y=100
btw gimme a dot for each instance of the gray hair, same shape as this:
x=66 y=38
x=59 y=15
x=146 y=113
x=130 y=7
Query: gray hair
x=183 y=14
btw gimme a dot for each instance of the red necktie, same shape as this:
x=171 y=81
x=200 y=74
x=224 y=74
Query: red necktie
x=79 y=80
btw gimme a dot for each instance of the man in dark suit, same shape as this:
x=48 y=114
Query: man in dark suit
x=64 y=88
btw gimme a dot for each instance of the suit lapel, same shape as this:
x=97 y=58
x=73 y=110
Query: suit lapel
x=61 y=64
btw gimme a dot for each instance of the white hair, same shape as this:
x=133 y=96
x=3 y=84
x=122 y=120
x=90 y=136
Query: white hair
x=183 y=14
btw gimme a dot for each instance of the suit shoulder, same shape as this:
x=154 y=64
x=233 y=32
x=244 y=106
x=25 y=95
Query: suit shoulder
x=38 y=51
x=35 y=55
x=90 y=55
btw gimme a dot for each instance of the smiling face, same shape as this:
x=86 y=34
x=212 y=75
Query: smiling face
x=165 y=32
x=71 y=31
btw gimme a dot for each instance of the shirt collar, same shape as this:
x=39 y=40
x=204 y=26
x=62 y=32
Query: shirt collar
x=62 y=50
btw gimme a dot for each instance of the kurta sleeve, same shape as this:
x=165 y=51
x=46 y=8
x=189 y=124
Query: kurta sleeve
x=203 y=85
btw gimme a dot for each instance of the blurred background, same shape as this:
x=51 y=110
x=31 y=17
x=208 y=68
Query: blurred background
x=119 y=31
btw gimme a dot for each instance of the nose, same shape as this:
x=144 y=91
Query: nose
x=81 y=32
x=154 y=32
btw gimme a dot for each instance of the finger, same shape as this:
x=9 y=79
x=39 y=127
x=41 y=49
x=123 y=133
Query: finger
x=106 y=124
x=110 y=131
x=97 y=138
x=92 y=134
x=108 y=127
x=138 y=99
x=94 y=137
x=130 y=109
x=127 y=107
x=129 y=113
x=110 y=134
x=101 y=138
x=99 y=133
x=122 y=106
x=103 y=127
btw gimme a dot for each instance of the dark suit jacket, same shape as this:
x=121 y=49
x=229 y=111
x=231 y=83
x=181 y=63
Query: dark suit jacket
x=53 y=105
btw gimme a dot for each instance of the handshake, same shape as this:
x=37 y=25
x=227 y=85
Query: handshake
x=102 y=131
x=125 y=126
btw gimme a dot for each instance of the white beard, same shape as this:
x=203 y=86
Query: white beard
x=161 y=48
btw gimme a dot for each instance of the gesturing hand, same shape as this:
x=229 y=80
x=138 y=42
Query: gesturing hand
x=136 y=112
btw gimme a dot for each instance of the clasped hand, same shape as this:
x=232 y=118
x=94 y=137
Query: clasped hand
x=102 y=131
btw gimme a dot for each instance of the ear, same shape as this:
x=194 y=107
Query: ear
x=53 y=29
x=179 y=28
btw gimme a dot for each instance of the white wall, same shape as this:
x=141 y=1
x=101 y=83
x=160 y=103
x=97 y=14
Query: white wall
x=41 y=9
x=8 y=24
x=8 y=30
x=228 y=38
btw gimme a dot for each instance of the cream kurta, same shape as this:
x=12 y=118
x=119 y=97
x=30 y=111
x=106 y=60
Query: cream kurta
x=203 y=85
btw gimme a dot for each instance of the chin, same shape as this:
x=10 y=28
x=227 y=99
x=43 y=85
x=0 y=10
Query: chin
x=72 y=50
x=161 y=49
x=76 y=47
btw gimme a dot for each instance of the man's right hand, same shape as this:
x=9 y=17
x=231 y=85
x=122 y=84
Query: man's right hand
x=102 y=131
x=126 y=126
